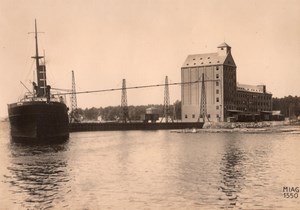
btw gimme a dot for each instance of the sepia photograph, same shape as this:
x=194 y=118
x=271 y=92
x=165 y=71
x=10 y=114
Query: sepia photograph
x=150 y=104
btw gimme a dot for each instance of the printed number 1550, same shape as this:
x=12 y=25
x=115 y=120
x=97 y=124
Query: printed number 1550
x=290 y=195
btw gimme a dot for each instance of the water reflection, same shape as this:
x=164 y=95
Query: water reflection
x=232 y=173
x=38 y=174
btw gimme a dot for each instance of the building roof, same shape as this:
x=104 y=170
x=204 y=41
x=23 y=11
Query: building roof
x=251 y=88
x=204 y=60
x=208 y=59
x=223 y=45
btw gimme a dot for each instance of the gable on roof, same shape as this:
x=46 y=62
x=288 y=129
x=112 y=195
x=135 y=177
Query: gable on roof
x=224 y=45
x=229 y=61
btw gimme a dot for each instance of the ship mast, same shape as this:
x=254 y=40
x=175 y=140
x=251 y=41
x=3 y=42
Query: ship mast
x=41 y=88
x=36 y=47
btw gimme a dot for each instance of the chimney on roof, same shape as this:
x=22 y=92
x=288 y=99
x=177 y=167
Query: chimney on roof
x=224 y=49
x=262 y=88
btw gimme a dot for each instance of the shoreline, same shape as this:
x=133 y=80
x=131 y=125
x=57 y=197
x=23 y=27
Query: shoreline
x=263 y=124
x=247 y=127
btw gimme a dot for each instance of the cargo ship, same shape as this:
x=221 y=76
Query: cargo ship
x=39 y=116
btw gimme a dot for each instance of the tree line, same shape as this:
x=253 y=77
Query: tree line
x=113 y=113
x=288 y=105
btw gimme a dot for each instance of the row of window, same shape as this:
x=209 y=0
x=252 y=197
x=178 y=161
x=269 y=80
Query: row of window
x=217 y=67
x=260 y=97
x=203 y=63
x=186 y=116
x=193 y=116
x=207 y=58
x=265 y=103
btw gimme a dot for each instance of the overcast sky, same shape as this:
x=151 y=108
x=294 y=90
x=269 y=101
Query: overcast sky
x=104 y=41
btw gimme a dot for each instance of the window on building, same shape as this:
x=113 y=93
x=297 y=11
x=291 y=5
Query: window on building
x=218 y=116
x=185 y=116
x=217 y=107
x=208 y=57
x=217 y=76
x=217 y=68
x=222 y=48
x=217 y=99
x=193 y=116
x=217 y=91
x=217 y=83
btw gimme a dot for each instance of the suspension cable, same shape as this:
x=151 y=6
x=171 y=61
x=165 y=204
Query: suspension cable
x=128 y=88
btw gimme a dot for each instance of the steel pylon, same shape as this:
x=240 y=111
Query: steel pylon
x=167 y=111
x=124 y=107
x=73 y=114
x=203 y=108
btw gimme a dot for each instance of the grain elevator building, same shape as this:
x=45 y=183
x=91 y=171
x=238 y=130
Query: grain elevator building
x=223 y=95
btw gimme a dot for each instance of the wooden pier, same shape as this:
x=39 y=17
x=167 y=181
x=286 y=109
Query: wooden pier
x=115 y=126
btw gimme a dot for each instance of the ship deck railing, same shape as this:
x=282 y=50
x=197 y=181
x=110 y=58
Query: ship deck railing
x=29 y=97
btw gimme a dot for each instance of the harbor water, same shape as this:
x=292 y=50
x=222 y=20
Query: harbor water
x=210 y=169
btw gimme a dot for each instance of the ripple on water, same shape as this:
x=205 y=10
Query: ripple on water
x=153 y=170
x=38 y=174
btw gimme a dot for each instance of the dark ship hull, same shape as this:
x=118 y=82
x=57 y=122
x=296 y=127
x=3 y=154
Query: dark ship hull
x=38 y=121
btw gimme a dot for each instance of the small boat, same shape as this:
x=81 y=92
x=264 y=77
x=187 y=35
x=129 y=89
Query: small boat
x=39 y=116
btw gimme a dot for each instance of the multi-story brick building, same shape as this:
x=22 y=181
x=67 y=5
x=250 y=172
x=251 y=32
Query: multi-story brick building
x=250 y=98
x=223 y=95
